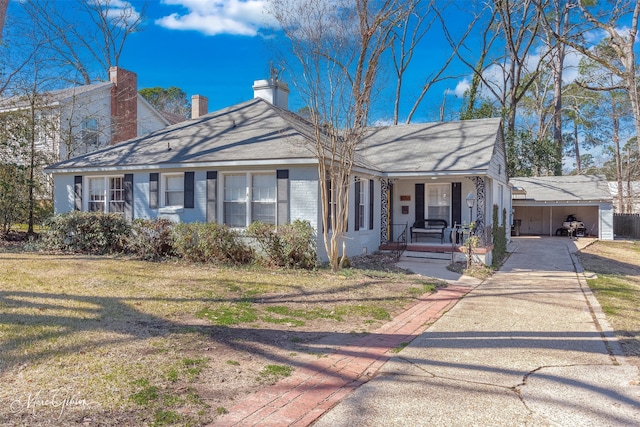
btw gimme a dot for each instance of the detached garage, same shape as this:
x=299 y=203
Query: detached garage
x=542 y=204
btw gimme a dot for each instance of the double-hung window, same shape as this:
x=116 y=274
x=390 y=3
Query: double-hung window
x=263 y=198
x=116 y=194
x=90 y=133
x=106 y=194
x=249 y=197
x=173 y=189
x=362 y=203
x=439 y=202
x=97 y=194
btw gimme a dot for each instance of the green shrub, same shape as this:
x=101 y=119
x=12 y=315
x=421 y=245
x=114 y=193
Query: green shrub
x=288 y=245
x=151 y=239
x=86 y=232
x=499 y=237
x=210 y=242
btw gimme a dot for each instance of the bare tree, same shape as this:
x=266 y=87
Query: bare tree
x=599 y=78
x=555 y=20
x=406 y=51
x=87 y=37
x=338 y=47
x=622 y=41
x=580 y=109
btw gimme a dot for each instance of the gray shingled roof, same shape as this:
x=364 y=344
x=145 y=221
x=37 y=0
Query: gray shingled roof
x=564 y=188
x=433 y=147
x=257 y=130
x=52 y=96
x=250 y=131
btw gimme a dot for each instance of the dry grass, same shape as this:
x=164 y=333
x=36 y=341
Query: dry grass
x=107 y=341
x=617 y=288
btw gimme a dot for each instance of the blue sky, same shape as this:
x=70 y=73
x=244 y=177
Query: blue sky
x=217 y=48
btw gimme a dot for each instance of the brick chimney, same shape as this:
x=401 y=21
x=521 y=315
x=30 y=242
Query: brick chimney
x=124 y=104
x=272 y=90
x=199 y=106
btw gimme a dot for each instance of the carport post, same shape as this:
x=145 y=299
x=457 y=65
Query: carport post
x=550 y=220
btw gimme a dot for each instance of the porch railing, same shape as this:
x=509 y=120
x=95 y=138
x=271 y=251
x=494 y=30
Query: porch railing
x=399 y=238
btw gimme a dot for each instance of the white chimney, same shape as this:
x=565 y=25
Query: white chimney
x=272 y=90
x=199 y=106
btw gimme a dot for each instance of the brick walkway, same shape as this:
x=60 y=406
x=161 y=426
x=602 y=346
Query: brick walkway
x=316 y=387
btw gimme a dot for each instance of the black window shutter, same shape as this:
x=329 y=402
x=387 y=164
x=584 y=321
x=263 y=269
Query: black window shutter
x=189 y=193
x=419 y=202
x=153 y=190
x=357 y=203
x=282 y=176
x=212 y=190
x=77 y=192
x=128 y=196
x=456 y=203
x=371 y=195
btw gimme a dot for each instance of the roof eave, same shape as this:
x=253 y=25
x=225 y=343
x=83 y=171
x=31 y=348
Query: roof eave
x=436 y=174
x=178 y=165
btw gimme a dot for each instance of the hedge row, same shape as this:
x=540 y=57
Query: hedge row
x=96 y=233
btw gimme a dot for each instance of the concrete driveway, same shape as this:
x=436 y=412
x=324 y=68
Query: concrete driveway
x=527 y=347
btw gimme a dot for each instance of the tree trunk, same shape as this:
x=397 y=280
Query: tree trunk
x=558 y=63
x=576 y=147
x=616 y=154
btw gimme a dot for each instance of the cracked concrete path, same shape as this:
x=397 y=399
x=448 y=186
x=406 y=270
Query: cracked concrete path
x=527 y=347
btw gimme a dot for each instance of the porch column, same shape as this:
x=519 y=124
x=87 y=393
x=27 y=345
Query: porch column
x=480 y=208
x=385 y=189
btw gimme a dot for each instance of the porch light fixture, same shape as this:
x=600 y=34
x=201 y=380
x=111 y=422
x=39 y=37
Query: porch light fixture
x=471 y=200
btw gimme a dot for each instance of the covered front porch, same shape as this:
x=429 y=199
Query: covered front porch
x=450 y=205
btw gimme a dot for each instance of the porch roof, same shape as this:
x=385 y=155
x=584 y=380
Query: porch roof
x=433 y=148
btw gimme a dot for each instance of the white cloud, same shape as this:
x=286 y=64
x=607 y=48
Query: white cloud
x=120 y=12
x=213 y=17
x=462 y=86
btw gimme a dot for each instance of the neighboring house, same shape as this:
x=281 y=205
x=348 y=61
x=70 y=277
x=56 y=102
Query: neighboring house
x=542 y=204
x=630 y=196
x=256 y=161
x=86 y=118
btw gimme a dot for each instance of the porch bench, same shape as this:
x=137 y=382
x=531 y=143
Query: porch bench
x=428 y=227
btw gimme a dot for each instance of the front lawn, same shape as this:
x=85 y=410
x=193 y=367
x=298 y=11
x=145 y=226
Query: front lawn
x=113 y=341
x=617 y=288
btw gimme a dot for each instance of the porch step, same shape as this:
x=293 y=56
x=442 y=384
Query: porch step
x=429 y=255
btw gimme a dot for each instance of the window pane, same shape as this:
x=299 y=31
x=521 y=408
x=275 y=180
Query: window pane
x=235 y=188
x=235 y=214
x=174 y=183
x=438 y=212
x=116 y=207
x=96 y=206
x=174 y=198
x=438 y=202
x=264 y=212
x=438 y=195
x=264 y=188
x=263 y=195
x=173 y=190
x=96 y=189
x=90 y=132
x=97 y=195
x=116 y=189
